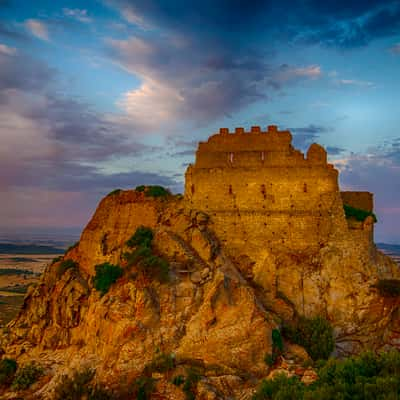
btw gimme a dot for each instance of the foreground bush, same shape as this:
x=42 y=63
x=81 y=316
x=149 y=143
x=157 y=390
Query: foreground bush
x=314 y=334
x=106 y=275
x=8 y=367
x=26 y=376
x=366 y=377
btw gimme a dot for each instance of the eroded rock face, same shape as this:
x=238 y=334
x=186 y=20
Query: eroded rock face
x=216 y=311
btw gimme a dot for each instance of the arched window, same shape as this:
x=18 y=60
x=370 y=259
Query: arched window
x=305 y=188
x=192 y=189
x=230 y=189
x=231 y=157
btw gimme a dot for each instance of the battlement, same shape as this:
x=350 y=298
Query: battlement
x=255 y=149
x=259 y=189
x=253 y=129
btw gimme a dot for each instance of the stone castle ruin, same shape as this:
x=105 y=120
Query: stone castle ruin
x=261 y=192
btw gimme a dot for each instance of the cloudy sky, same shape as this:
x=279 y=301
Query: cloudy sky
x=104 y=94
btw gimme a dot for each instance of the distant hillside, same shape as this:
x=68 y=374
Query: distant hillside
x=8 y=248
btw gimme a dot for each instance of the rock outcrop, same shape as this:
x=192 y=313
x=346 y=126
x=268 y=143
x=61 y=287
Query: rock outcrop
x=226 y=291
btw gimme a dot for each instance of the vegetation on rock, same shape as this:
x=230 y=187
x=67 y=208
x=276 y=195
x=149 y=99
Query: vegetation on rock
x=277 y=348
x=114 y=192
x=143 y=255
x=8 y=367
x=142 y=237
x=388 y=287
x=190 y=384
x=142 y=388
x=366 y=377
x=106 y=275
x=314 y=334
x=26 y=376
x=358 y=213
x=79 y=387
x=153 y=191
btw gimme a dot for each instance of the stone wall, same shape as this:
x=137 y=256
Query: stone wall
x=261 y=192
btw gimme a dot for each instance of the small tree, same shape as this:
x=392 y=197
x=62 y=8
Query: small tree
x=106 y=275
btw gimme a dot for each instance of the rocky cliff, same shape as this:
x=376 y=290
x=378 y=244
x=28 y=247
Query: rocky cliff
x=215 y=312
x=244 y=257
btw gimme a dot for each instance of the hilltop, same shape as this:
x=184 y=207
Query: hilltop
x=204 y=295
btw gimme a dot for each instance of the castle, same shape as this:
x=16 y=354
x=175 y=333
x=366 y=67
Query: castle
x=262 y=192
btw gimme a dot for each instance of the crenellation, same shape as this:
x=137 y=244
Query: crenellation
x=259 y=189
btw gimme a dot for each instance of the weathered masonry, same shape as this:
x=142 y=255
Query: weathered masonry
x=261 y=191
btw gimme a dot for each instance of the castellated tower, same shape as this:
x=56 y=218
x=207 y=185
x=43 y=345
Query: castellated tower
x=261 y=192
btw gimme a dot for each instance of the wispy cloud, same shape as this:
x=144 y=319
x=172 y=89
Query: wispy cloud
x=9 y=51
x=78 y=14
x=37 y=28
x=355 y=82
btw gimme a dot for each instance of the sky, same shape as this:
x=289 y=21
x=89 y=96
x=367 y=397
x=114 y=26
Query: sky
x=103 y=94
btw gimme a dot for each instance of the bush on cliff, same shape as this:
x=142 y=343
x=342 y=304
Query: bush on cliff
x=388 y=287
x=277 y=348
x=368 y=377
x=143 y=255
x=153 y=191
x=26 y=376
x=358 y=213
x=114 y=192
x=8 y=367
x=314 y=334
x=79 y=387
x=106 y=275
x=142 y=237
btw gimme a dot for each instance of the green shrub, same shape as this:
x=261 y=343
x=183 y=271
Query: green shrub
x=8 y=367
x=65 y=265
x=153 y=191
x=190 y=384
x=178 y=380
x=281 y=387
x=157 y=191
x=26 y=376
x=364 y=377
x=143 y=387
x=78 y=387
x=277 y=348
x=75 y=387
x=314 y=334
x=388 y=287
x=144 y=257
x=114 y=192
x=142 y=237
x=106 y=275
x=358 y=213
